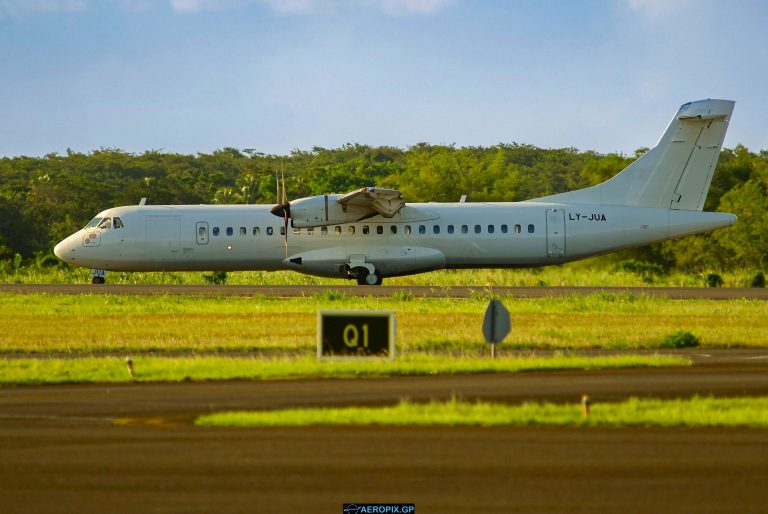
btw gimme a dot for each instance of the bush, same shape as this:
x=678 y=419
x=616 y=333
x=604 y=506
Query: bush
x=217 y=277
x=680 y=339
x=713 y=280
x=758 y=280
x=640 y=267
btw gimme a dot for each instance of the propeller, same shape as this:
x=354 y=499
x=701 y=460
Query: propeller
x=283 y=208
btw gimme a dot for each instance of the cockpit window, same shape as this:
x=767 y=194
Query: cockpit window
x=94 y=222
x=106 y=223
x=117 y=223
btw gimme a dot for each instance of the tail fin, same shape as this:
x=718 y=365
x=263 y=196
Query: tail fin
x=674 y=174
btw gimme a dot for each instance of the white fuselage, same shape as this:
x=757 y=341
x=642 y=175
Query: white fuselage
x=421 y=237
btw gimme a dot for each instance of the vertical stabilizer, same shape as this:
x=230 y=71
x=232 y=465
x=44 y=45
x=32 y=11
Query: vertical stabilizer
x=674 y=174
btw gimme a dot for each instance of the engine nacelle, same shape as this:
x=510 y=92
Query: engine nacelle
x=321 y=210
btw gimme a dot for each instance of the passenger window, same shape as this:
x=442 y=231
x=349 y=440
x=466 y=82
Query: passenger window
x=491 y=229
x=106 y=223
x=230 y=231
x=464 y=229
x=270 y=231
x=478 y=229
x=450 y=229
x=351 y=230
x=256 y=231
x=422 y=229
x=243 y=231
x=365 y=229
x=393 y=229
x=323 y=231
x=503 y=229
x=379 y=229
x=518 y=228
x=201 y=232
x=435 y=229
x=407 y=230
x=117 y=223
x=282 y=230
x=337 y=230
x=216 y=231
x=531 y=228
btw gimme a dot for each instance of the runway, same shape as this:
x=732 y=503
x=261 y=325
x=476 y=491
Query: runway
x=677 y=293
x=132 y=448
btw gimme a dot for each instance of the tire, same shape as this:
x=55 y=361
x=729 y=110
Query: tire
x=97 y=280
x=374 y=279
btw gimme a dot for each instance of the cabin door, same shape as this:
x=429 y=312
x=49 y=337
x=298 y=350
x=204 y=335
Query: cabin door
x=555 y=232
x=163 y=238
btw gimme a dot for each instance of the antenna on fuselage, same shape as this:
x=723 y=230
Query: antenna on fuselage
x=143 y=201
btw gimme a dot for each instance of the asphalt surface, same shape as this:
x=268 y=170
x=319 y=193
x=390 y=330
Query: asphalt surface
x=681 y=293
x=133 y=448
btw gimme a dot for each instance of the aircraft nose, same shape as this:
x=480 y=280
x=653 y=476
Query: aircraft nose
x=58 y=250
x=62 y=249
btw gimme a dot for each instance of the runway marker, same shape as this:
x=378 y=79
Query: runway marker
x=585 y=403
x=129 y=363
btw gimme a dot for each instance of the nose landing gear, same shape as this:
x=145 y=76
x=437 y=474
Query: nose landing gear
x=98 y=276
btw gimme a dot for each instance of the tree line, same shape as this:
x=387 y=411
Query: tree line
x=43 y=199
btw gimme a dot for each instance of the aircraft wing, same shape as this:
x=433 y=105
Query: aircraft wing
x=386 y=202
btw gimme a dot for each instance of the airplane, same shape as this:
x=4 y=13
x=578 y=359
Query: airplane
x=372 y=233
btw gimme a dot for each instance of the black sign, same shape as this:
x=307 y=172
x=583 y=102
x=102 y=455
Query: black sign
x=356 y=334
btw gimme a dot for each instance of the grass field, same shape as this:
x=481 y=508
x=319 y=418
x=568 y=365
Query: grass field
x=93 y=324
x=15 y=372
x=606 y=271
x=693 y=412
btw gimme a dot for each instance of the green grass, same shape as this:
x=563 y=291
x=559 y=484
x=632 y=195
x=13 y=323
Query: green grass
x=99 y=323
x=693 y=412
x=598 y=271
x=84 y=370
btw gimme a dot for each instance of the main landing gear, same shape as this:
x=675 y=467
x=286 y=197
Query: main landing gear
x=366 y=275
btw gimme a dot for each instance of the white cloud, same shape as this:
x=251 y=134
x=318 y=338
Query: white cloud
x=412 y=6
x=295 y=6
x=310 y=6
x=193 y=6
x=16 y=9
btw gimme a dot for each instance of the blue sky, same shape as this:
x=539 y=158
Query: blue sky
x=275 y=75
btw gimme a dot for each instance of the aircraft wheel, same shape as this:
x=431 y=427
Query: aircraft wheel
x=373 y=279
x=98 y=280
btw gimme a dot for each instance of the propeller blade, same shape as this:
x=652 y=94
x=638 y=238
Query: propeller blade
x=285 y=229
x=285 y=207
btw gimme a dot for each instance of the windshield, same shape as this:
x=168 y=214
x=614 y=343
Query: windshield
x=94 y=222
